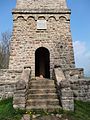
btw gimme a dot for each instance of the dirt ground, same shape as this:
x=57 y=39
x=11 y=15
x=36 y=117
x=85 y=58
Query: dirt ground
x=50 y=118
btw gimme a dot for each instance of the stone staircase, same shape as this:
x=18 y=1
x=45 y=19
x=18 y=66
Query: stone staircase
x=42 y=94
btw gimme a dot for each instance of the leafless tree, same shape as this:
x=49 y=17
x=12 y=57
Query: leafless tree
x=5 y=49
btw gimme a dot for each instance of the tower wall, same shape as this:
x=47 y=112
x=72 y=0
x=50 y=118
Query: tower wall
x=27 y=38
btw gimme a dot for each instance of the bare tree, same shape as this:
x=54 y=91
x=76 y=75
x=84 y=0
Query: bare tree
x=1 y=56
x=5 y=48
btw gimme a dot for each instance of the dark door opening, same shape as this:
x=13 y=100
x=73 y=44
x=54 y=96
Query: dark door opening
x=42 y=62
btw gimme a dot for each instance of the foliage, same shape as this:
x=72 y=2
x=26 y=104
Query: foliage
x=7 y=112
x=44 y=112
x=82 y=111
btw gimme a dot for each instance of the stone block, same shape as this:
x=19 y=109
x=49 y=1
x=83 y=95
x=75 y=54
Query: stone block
x=20 y=106
x=68 y=105
x=65 y=84
x=20 y=85
x=19 y=101
x=26 y=117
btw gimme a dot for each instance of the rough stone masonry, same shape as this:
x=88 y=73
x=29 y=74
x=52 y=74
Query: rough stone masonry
x=41 y=45
x=28 y=38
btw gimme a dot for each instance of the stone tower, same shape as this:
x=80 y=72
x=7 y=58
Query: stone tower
x=41 y=36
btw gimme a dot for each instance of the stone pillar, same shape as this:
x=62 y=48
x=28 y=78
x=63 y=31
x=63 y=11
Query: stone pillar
x=19 y=98
x=63 y=87
x=20 y=94
x=67 y=99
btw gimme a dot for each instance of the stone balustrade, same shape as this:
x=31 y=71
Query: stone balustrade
x=20 y=94
x=64 y=90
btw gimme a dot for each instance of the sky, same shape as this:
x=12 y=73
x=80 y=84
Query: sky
x=80 y=28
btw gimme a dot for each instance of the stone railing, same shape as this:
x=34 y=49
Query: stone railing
x=64 y=90
x=58 y=75
x=67 y=99
x=20 y=94
x=81 y=89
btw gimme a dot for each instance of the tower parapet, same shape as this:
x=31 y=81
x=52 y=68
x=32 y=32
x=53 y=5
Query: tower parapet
x=41 y=4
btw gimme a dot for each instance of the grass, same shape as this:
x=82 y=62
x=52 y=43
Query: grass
x=82 y=111
x=7 y=112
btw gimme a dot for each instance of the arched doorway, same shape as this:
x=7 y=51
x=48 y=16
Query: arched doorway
x=42 y=62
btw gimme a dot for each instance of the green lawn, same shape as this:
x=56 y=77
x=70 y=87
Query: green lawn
x=7 y=112
x=82 y=111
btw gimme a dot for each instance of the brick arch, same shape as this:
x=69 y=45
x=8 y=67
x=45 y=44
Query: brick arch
x=52 y=17
x=31 y=17
x=52 y=23
x=20 y=18
x=62 y=18
x=41 y=18
x=31 y=22
x=43 y=45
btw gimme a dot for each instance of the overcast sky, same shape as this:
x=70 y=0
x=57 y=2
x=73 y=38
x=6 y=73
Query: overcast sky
x=80 y=28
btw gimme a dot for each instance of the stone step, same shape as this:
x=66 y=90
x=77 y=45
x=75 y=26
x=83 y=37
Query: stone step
x=38 y=86
x=40 y=91
x=41 y=102
x=43 y=96
x=41 y=84
x=44 y=107
x=42 y=81
x=39 y=78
